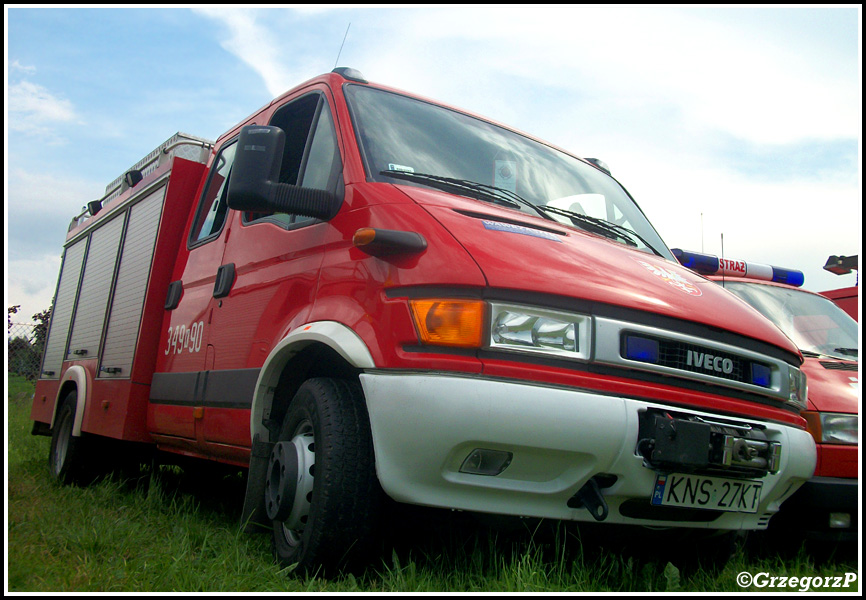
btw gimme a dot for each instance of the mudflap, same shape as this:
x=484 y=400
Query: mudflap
x=254 y=516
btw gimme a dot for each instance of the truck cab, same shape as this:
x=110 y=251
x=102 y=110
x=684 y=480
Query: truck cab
x=364 y=292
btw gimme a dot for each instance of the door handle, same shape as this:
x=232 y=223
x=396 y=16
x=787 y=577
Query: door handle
x=225 y=279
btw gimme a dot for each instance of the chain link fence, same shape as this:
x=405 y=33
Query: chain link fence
x=25 y=349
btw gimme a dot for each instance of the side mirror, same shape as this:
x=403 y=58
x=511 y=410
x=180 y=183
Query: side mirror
x=254 y=181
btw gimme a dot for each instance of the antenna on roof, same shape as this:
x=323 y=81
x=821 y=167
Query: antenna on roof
x=341 y=45
x=702 y=232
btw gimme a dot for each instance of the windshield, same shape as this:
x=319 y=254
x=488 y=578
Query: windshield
x=409 y=141
x=813 y=322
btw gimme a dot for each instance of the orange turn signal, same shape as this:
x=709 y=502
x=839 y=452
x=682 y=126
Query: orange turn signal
x=813 y=425
x=458 y=323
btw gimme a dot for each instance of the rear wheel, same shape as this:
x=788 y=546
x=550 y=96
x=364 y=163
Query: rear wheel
x=66 y=457
x=321 y=491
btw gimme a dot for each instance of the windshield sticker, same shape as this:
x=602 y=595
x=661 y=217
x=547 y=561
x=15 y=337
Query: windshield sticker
x=401 y=168
x=505 y=175
x=500 y=226
x=674 y=279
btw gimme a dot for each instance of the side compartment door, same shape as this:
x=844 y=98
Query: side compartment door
x=183 y=360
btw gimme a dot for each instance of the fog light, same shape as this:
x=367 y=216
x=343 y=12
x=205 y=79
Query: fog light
x=486 y=462
x=840 y=520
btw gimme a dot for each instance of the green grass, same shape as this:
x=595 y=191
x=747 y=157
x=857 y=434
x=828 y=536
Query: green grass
x=172 y=532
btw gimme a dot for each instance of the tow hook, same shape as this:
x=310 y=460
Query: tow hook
x=590 y=498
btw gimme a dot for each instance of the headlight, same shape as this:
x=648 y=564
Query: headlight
x=524 y=329
x=797 y=392
x=838 y=428
x=832 y=428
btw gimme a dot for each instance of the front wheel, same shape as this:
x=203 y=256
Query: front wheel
x=321 y=491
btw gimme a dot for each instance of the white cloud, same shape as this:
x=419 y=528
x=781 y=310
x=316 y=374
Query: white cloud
x=42 y=193
x=17 y=66
x=31 y=283
x=33 y=109
x=720 y=77
x=254 y=41
x=787 y=224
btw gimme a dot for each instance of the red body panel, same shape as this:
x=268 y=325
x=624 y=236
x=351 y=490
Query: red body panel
x=832 y=389
x=837 y=461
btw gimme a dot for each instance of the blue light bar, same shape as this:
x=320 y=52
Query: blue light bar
x=789 y=276
x=705 y=264
x=708 y=264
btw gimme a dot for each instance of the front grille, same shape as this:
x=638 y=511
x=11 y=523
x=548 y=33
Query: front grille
x=838 y=366
x=706 y=361
x=732 y=363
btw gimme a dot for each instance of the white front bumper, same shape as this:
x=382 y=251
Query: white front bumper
x=425 y=425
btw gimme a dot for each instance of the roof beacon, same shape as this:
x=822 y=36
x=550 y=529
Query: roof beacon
x=708 y=264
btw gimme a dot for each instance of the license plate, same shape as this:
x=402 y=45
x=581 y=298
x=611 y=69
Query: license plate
x=714 y=493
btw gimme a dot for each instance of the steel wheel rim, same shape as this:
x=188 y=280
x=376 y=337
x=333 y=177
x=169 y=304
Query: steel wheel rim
x=304 y=441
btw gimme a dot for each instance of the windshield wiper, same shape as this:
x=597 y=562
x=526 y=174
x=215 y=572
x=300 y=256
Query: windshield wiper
x=472 y=189
x=601 y=226
x=489 y=193
x=847 y=351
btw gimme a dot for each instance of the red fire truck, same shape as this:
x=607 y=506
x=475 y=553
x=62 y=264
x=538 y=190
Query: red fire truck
x=358 y=291
x=826 y=507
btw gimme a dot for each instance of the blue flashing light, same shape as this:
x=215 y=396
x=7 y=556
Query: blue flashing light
x=641 y=349
x=788 y=276
x=706 y=264
x=761 y=375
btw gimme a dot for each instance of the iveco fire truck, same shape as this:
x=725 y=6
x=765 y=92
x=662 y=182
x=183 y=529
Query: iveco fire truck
x=357 y=291
x=826 y=507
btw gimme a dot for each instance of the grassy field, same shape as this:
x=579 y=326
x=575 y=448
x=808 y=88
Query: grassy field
x=171 y=531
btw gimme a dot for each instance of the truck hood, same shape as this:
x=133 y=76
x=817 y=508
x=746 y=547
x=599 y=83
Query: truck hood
x=520 y=252
x=833 y=384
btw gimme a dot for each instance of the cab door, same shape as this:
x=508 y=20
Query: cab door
x=184 y=356
x=277 y=258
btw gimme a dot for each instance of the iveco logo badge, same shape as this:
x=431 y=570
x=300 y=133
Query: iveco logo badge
x=674 y=279
x=710 y=362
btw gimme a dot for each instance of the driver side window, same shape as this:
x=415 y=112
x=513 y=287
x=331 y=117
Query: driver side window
x=214 y=204
x=311 y=157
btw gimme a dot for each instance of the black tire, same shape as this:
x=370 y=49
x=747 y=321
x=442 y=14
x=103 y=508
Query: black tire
x=67 y=458
x=337 y=497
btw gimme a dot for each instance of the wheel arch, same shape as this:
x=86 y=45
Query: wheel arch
x=322 y=348
x=74 y=379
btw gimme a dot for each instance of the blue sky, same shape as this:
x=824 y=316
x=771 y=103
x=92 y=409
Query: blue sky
x=736 y=122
